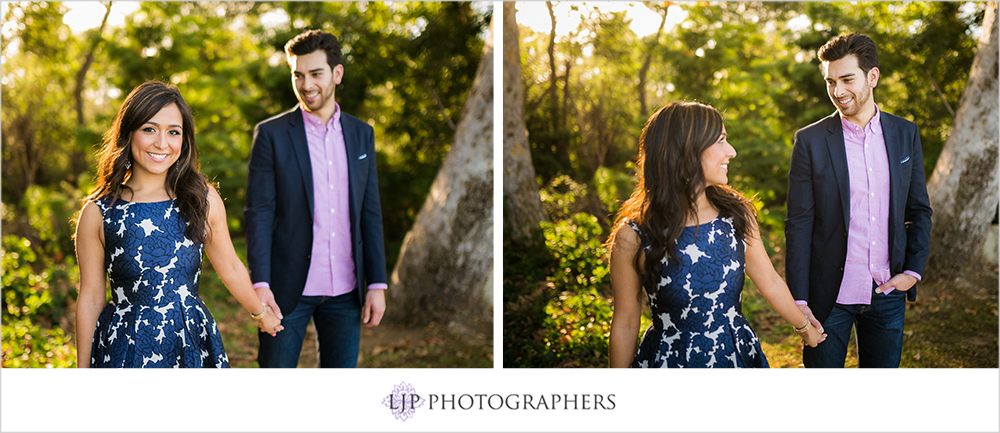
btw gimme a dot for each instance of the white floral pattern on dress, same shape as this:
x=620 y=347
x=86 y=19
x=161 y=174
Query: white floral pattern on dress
x=155 y=317
x=697 y=321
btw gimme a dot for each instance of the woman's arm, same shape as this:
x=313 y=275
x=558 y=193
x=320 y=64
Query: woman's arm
x=626 y=285
x=93 y=279
x=219 y=247
x=774 y=289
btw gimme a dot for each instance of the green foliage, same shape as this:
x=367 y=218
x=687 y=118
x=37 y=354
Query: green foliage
x=33 y=302
x=562 y=196
x=614 y=187
x=577 y=325
x=580 y=257
x=755 y=62
x=25 y=344
x=555 y=313
x=50 y=215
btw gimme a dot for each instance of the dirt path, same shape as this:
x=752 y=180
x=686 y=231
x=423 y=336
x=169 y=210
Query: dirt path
x=436 y=345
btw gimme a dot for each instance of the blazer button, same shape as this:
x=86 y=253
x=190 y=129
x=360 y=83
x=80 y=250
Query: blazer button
x=309 y=256
x=841 y=269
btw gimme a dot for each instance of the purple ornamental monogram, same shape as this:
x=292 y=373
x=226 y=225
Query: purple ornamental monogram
x=403 y=401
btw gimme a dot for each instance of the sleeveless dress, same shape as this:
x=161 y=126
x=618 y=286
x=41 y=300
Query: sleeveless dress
x=155 y=317
x=696 y=308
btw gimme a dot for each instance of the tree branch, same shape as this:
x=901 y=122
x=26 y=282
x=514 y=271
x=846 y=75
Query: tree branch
x=939 y=93
x=444 y=111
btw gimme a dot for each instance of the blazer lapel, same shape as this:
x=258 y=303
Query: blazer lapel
x=838 y=157
x=300 y=148
x=354 y=150
x=892 y=152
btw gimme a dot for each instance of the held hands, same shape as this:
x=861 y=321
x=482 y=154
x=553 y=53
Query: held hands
x=267 y=298
x=270 y=323
x=813 y=334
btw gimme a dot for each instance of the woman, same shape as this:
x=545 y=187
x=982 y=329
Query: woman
x=697 y=237
x=145 y=226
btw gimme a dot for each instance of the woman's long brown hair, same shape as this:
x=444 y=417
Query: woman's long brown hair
x=184 y=179
x=670 y=150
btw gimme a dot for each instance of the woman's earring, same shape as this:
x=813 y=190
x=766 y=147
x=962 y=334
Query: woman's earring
x=128 y=165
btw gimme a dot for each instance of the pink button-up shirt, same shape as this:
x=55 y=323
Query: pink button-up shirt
x=331 y=264
x=868 y=229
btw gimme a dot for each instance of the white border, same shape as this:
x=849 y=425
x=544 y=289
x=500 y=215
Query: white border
x=313 y=400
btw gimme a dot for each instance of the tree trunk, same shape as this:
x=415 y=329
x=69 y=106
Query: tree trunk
x=565 y=101
x=553 y=76
x=81 y=75
x=522 y=206
x=963 y=187
x=643 y=108
x=446 y=260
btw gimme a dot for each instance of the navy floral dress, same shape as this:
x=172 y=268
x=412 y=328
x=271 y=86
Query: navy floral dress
x=696 y=312
x=155 y=317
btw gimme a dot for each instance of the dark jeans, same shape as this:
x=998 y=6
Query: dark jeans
x=338 y=329
x=879 y=328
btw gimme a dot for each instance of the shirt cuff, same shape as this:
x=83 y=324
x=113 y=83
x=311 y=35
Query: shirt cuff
x=801 y=303
x=914 y=275
x=378 y=286
x=262 y=284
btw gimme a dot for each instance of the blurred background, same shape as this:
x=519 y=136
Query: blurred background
x=66 y=67
x=583 y=77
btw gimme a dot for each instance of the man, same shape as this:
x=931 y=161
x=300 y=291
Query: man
x=859 y=220
x=314 y=222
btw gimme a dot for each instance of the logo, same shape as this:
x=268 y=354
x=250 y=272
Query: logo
x=403 y=401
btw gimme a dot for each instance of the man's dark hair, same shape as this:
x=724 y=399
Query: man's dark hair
x=313 y=40
x=860 y=45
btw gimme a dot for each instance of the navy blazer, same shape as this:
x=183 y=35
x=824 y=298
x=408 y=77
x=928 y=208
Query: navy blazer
x=279 y=206
x=819 y=209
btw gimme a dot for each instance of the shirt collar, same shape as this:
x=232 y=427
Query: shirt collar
x=874 y=125
x=311 y=119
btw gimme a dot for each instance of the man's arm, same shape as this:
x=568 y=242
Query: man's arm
x=799 y=220
x=917 y=216
x=258 y=214
x=371 y=221
x=372 y=241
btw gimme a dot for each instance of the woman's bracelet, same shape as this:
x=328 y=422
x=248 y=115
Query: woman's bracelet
x=260 y=315
x=803 y=328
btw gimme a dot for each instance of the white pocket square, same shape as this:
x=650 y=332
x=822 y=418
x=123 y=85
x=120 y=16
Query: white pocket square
x=366 y=155
x=904 y=160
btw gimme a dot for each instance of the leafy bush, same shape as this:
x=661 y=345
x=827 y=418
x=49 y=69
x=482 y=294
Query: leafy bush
x=50 y=213
x=25 y=344
x=560 y=196
x=575 y=244
x=555 y=314
x=576 y=327
x=614 y=187
x=33 y=302
x=39 y=279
